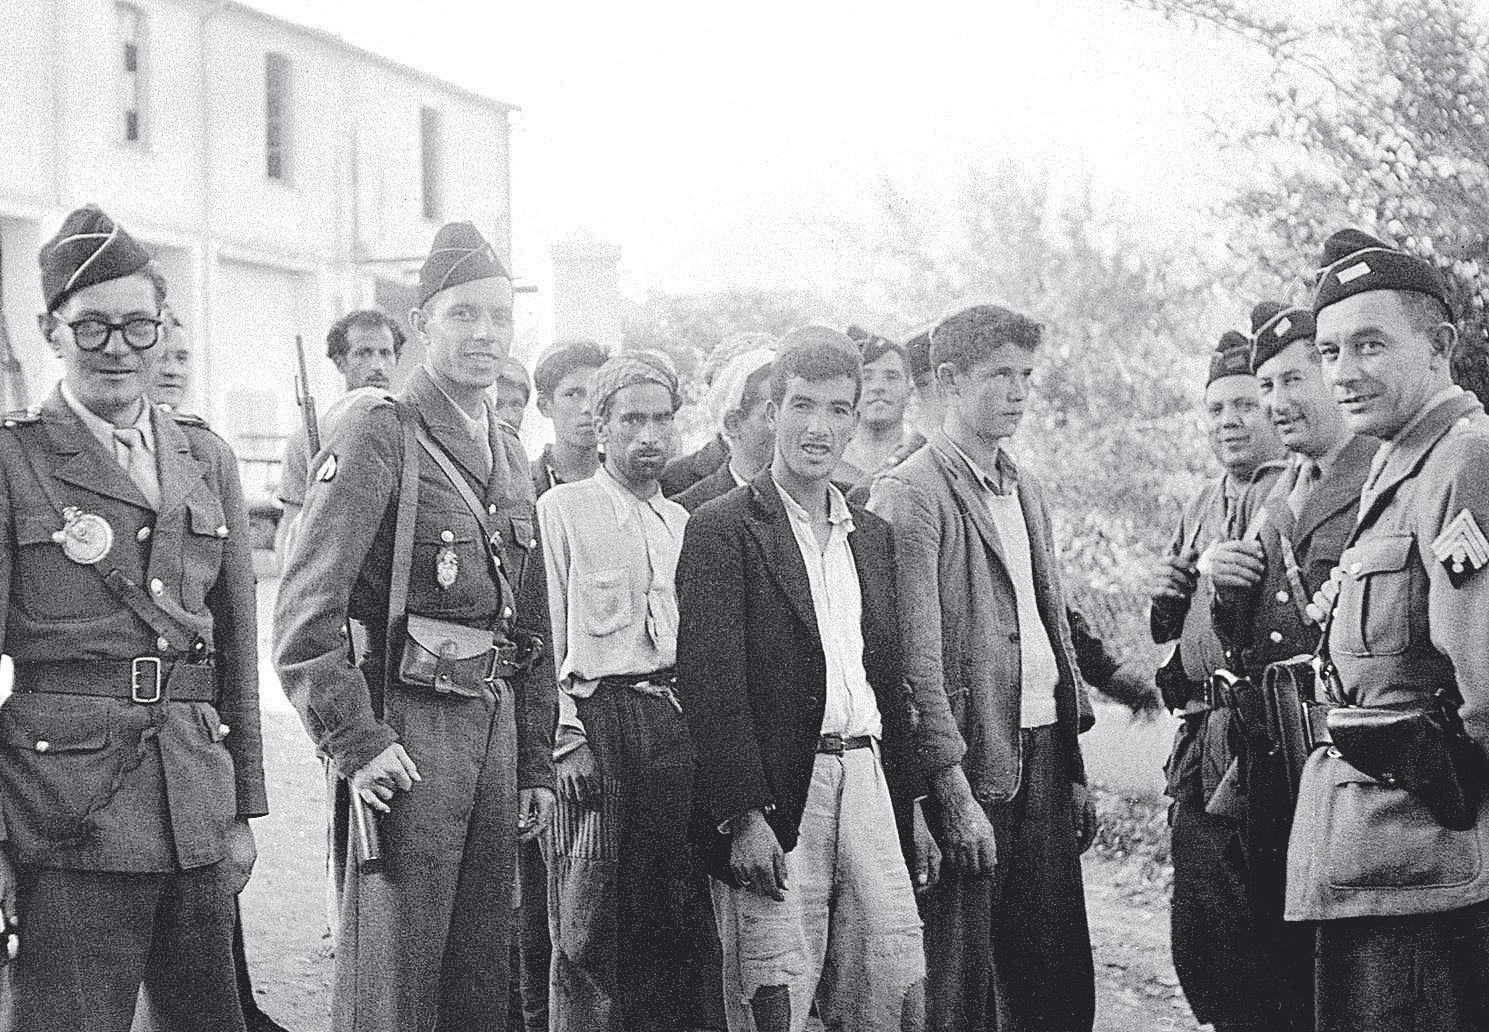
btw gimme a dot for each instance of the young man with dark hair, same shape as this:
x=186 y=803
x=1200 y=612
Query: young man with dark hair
x=988 y=655
x=881 y=411
x=1394 y=879
x=419 y=525
x=561 y=380
x=511 y=393
x=788 y=659
x=619 y=864
x=738 y=400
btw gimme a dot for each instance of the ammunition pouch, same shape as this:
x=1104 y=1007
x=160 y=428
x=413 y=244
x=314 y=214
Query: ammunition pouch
x=1424 y=751
x=450 y=658
x=1296 y=720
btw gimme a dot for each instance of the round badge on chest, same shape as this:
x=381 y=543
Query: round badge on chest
x=85 y=537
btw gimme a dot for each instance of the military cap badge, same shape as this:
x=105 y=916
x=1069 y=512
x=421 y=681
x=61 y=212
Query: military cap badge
x=85 y=537
x=1461 y=547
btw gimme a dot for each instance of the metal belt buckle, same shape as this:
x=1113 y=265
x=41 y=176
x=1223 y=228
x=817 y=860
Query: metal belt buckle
x=144 y=671
x=830 y=743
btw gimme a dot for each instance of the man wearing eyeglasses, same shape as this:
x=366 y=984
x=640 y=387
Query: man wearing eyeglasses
x=130 y=757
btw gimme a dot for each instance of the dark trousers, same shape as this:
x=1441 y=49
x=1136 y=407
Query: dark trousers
x=532 y=953
x=1240 y=965
x=629 y=915
x=1012 y=952
x=89 y=939
x=1419 y=973
x=424 y=945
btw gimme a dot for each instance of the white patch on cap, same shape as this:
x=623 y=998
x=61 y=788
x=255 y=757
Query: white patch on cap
x=1352 y=273
x=1282 y=327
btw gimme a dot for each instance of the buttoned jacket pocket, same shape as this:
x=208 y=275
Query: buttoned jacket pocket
x=201 y=556
x=1383 y=838
x=49 y=586
x=1376 y=602
x=605 y=601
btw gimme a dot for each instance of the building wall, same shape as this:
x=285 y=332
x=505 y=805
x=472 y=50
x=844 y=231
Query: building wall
x=251 y=261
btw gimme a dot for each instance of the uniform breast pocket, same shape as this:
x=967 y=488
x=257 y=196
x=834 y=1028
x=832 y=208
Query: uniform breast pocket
x=605 y=601
x=202 y=547
x=1376 y=599
x=49 y=586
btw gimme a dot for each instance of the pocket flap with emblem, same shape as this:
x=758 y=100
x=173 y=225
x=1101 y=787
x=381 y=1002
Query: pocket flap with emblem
x=1378 y=555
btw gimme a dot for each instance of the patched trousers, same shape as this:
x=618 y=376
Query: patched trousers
x=425 y=944
x=847 y=932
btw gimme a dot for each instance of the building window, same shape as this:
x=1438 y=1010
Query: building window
x=430 y=155
x=130 y=22
x=277 y=121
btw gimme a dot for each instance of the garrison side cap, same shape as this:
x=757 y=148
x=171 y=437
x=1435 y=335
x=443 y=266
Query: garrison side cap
x=1274 y=326
x=1355 y=262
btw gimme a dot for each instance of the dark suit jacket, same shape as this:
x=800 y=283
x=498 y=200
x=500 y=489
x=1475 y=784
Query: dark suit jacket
x=683 y=473
x=751 y=670
x=85 y=799
x=717 y=484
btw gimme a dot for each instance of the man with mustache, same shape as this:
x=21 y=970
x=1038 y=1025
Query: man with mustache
x=1397 y=886
x=365 y=346
x=1208 y=911
x=419 y=525
x=130 y=754
x=1289 y=537
x=619 y=862
x=988 y=655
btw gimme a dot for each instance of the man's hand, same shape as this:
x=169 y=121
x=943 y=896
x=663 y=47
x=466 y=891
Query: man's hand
x=1234 y=565
x=389 y=771
x=927 y=859
x=534 y=812
x=1173 y=576
x=579 y=777
x=10 y=911
x=968 y=833
x=1083 y=812
x=242 y=853
x=1323 y=599
x=755 y=857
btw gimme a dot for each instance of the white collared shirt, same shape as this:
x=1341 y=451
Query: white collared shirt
x=103 y=430
x=837 y=599
x=612 y=565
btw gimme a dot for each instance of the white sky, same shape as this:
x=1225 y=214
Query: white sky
x=721 y=144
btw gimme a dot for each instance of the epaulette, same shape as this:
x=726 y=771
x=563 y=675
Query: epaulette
x=188 y=419
x=21 y=417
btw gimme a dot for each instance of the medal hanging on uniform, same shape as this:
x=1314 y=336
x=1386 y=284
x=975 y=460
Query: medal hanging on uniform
x=85 y=537
x=446 y=562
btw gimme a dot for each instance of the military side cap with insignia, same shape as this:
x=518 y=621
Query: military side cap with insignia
x=1274 y=326
x=1356 y=262
x=459 y=254
x=1232 y=357
x=89 y=249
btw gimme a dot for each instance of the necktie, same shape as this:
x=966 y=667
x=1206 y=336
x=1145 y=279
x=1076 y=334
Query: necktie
x=1305 y=479
x=137 y=462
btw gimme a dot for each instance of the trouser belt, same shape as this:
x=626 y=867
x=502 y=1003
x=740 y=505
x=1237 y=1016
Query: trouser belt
x=835 y=744
x=659 y=684
x=144 y=679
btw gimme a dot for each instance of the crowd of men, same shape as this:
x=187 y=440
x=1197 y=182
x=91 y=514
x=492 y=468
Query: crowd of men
x=623 y=740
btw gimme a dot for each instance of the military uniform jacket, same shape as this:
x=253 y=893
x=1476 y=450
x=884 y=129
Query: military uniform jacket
x=1400 y=629
x=1268 y=623
x=101 y=783
x=342 y=560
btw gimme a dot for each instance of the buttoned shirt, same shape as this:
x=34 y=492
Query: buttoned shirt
x=478 y=428
x=1039 y=672
x=611 y=560
x=1384 y=452
x=103 y=431
x=837 y=601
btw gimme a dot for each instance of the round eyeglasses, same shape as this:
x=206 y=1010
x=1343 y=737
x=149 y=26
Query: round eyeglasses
x=141 y=333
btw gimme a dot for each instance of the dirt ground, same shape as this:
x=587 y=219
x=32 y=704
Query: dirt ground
x=284 y=912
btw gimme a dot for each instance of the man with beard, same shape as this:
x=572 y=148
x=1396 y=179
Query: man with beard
x=1289 y=540
x=561 y=379
x=1394 y=880
x=1209 y=905
x=419 y=525
x=882 y=431
x=619 y=859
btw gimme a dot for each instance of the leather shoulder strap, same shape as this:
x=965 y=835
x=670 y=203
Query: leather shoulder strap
x=403 y=525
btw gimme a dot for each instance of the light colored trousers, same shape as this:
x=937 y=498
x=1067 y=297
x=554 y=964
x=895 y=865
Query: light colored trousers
x=847 y=932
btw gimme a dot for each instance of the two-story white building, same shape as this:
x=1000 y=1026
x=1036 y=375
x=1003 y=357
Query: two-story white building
x=281 y=176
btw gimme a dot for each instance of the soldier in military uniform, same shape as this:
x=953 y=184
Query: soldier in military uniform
x=130 y=758
x=419 y=523
x=1401 y=899
x=1288 y=540
x=1209 y=902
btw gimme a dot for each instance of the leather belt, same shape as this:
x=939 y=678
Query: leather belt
x=834 y=744
x=145 y=679
x=1316 y=724
x=665 y=678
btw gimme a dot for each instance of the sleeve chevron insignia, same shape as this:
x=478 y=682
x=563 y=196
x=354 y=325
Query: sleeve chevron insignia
x=1461 y=547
